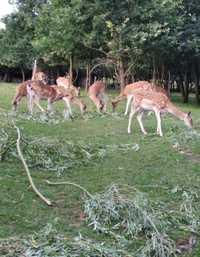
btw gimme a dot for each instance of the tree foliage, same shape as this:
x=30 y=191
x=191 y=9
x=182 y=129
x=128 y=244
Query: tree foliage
x=144 y=39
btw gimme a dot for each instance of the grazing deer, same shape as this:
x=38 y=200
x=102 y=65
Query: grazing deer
x=158 y=103
x=65 y=82
x=130 y=88
x=36 y=91
x=96 y=93
x=21 y=89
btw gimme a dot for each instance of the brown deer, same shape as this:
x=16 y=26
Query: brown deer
x=21 y=89
x=96 y=93
x=65 y=82
x=129 y=89
x=158 y=103
x=36 y=91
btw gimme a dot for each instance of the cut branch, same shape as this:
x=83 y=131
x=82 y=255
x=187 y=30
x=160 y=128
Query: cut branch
x=70 y=183
x=47 y=201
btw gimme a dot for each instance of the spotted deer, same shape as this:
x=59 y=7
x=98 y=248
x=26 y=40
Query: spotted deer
x=96 y=93
x=158 y=103
x=36 y=91
x=65 y=82
x=21 y=89
x=130 y=88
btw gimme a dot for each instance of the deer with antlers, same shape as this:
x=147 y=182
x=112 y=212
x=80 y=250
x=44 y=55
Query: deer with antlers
x=130 y=88
x=157 y=102
x=21 y=89
x=96 y=93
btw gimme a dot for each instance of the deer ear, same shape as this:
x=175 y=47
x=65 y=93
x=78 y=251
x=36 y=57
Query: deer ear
x=189 y=114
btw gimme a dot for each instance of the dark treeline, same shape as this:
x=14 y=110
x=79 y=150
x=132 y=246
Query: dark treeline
x=123 y=41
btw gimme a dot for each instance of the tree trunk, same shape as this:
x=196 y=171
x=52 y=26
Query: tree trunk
x=162 y=76
x=87 y=81
x=23 y=75
x=182 y=88
x=169 y=83
x=70 y=69
x=197 y=89
x=154 y=71
x=186 y=86
x=121 y=75
x=5 y=78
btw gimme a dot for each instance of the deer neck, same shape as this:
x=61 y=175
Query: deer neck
x=175 y=111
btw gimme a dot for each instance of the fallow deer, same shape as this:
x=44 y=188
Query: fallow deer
x=65 y=82
x=21 y=89
x=96 y=93
x=70 y=96
x=130 y=88
x=158 y=103
x=36 y=91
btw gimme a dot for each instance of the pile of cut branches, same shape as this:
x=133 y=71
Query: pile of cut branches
x=48 y=243
x=53 y=154
x=120 y=210
x=125 y=213
x=48 y=154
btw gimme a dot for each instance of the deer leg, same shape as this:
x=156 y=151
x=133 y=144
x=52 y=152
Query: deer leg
x=97 y=102
x=133 y=111
x=139 y=118
x=159 y=128
x=30 y=101
x=15 y=102
x=68 y=106
x=49 y=105
x=78 y=102
x=30 y=98
x=104 y=99
x=129 y=99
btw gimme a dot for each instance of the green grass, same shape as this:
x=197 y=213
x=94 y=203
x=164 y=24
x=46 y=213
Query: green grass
x=156 y=163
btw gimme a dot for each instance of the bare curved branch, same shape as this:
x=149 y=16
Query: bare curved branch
x=47 y=201
x=69 y=183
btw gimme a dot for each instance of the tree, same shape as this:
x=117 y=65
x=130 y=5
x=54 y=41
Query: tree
x=62 y=40
x=15 y=44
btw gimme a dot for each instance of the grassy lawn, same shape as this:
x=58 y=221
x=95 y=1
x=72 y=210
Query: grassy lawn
x=155 y=166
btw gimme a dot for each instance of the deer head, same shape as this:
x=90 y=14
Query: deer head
x=42 y=77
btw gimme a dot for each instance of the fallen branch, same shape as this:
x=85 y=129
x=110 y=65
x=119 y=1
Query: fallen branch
x=47 y=201
x=69 y=183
